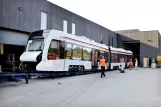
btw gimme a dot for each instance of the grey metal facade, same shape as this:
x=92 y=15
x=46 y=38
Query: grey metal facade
x=29 y=19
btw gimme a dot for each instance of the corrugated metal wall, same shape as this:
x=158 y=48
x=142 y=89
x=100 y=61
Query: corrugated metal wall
x=147 y=48
x=147 y=51
x=29 y=19
x=26 y=20
x=143 y=36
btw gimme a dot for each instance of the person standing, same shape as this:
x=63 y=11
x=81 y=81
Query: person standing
x=130 y=64
x=136 y=63
x=102 y=65
x=121 y=69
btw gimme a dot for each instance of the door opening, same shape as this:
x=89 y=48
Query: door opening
x=134 y=46
x=10 y=59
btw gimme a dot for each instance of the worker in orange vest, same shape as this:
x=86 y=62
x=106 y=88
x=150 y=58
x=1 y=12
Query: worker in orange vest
x=116 y=59
x=130 y=66
x=102 y=65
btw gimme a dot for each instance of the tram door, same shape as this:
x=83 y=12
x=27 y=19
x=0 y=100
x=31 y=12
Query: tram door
x=94 y=59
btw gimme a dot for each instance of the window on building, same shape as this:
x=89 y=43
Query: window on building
x=109 y=41
x=1 y=49
x=68 y=51
x=112 y=41
x=54 y=50
x=65 y=26
x=77 y=52
x=101 y=38
x=73 y=28
x=43 y=20
x=87 y=54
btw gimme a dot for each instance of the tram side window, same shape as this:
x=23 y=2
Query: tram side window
x=87 y=54
x=54 y=50
x=113 y=55
x=68 y=51
x=100 y=54
x=106 y=56
x=129 y=57
x=77 y=52
x=125 y=58
x=114 y=58
x=122 y=58
x=117 y=58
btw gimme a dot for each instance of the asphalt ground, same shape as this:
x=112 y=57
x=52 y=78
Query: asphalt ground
x=134 y=88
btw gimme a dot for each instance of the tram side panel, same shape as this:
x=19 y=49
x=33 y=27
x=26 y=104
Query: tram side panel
x=70 y=65
x=65 y=59
x=52 y=59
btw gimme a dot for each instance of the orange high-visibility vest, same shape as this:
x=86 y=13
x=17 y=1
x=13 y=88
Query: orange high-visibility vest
x=130 y=63
x=116 y=60
x=102 y=62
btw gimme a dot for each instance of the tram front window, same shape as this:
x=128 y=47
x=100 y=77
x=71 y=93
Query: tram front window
x=36 y=45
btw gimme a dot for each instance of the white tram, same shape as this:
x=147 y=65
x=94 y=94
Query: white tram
x=53 y=50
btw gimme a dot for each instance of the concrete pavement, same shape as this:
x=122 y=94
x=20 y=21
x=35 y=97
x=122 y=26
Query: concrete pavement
x=135 y=88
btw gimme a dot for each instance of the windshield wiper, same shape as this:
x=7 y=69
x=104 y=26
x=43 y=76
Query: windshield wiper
x=31 y=50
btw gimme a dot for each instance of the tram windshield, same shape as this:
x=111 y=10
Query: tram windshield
x=36 y=45
x=36 y=41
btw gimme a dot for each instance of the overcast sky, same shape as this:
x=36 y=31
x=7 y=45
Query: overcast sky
x=118 y=14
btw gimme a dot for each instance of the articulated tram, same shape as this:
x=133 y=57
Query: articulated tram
x=53 y=50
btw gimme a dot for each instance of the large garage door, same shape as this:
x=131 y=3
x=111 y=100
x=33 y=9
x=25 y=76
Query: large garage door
x=13 y=38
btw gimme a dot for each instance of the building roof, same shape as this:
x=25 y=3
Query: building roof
x=134 y=31
x=130 y=30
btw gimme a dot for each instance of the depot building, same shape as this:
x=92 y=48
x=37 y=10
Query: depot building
x=145 y=45
x=20 y=18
